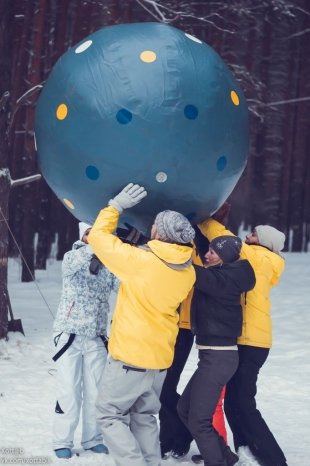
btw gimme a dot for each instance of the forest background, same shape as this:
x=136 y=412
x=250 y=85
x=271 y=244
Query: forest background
x=265 y=43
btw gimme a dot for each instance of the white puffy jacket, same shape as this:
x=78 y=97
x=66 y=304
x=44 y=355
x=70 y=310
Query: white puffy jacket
x=84 y=302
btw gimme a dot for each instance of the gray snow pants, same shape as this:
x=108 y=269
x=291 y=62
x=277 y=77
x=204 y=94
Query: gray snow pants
x=127 y=403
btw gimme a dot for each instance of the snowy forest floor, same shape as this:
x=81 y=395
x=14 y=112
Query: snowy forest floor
x=27 y=397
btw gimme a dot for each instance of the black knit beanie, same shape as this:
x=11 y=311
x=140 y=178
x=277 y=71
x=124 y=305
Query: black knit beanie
x=227 y=247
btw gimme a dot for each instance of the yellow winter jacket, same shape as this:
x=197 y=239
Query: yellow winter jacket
x=145 y=320
x=268 y=267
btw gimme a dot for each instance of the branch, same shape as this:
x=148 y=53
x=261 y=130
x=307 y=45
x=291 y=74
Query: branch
x=4 y=99
x=27 y=179
x=29 y=92
x=19 y=101
x=279 y=102
x=166 y=14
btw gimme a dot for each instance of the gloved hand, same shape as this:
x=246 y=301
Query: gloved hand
x=131 y=195
x=131 y=235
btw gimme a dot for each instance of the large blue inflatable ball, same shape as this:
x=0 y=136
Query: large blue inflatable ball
x=143 y=103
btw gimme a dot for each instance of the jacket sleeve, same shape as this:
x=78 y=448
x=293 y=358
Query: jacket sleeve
x=74 y=260
x=209 y=281
x=120 y=258
x=212 y=229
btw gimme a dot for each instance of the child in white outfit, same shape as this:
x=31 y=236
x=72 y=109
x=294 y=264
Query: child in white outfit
x=80 y=330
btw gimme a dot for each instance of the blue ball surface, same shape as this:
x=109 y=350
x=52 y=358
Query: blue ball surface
x=144 y=103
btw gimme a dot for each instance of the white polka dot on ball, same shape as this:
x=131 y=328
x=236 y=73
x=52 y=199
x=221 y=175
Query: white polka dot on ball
x=81 y=48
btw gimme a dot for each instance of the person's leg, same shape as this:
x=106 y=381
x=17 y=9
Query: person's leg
x=198 y=402
x=94 y=359
x=68 y=392
x=218 y=422
x=254 y=429
x=120 y=388
x=143 y=423
x=232 y=412
x=173 y=432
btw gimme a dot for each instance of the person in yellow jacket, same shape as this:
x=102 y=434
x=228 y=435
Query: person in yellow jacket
x=154 y=279
x=253 y=439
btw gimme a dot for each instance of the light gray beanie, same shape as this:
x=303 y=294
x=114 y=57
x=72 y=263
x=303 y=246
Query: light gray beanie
x=82 y=228
x=270 y=237
x=173 y=227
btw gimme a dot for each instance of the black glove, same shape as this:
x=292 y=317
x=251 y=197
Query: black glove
x=131 y=235
x=95 y=265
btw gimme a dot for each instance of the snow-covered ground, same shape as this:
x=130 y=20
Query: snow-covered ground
x=27 y=374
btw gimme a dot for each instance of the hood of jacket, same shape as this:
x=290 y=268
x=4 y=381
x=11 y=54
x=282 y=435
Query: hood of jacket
x=175 y=254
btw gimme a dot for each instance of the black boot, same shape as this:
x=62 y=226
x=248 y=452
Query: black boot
x=179 y=452
x=197 y=459
x=230 y=456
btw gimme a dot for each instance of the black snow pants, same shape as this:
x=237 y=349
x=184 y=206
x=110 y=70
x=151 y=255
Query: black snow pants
x=173 y=434
x=244 y=419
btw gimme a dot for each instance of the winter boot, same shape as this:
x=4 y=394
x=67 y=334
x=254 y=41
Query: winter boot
x=63 y=453
x=180 y=452
x=197 y=459
x=230 y=456
x=100 y=448
x=165 y=448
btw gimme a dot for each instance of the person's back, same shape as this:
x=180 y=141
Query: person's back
x=84 y=303
x=216 y=309
x=257 y=323
x=154 y=281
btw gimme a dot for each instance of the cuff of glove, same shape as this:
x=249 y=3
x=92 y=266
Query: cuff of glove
x=115 y=204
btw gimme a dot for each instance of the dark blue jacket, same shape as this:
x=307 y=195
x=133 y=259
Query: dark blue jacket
x=216 y=313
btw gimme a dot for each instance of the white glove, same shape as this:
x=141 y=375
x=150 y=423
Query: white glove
x=131 y=195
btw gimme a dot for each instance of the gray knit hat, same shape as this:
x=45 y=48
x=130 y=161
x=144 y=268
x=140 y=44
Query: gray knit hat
x=173 y=227
x=227 y=247
x=270 y=237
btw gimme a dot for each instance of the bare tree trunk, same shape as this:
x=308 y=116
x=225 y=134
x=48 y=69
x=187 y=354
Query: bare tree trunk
x=6 y=20
x=298 y=199
x=36 y=37
x=253 y=40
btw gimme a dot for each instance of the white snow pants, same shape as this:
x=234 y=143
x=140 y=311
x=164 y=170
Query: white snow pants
x=127 y=403
x=79 y=371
